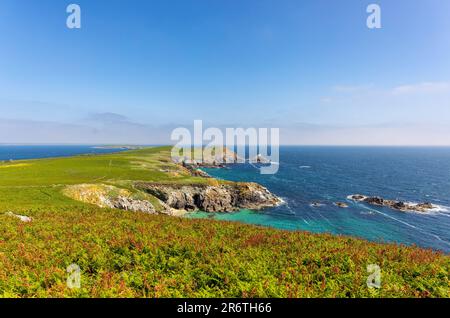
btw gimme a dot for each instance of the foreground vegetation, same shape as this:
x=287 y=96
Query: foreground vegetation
x=131 y=254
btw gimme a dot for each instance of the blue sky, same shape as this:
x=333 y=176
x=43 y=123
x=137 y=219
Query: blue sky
x=136 y=69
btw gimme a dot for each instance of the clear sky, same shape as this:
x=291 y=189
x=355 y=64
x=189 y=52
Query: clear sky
x=136 y=69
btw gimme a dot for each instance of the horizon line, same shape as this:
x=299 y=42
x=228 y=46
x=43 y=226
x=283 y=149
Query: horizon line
x=167 y=145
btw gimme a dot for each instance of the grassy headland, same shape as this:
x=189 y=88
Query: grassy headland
x=132 y=254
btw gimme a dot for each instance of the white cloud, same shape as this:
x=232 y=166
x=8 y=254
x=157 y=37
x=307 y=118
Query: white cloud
x=402 y=133
x=405 y=89
x=387 y=134
x=43 y=132
x=422 y=88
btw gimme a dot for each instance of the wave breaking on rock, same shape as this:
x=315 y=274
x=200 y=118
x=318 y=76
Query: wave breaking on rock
x=402 y=206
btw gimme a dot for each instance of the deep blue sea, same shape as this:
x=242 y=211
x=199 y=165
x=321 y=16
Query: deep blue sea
x=34 y=152
x=330 y=174
x=327 y=175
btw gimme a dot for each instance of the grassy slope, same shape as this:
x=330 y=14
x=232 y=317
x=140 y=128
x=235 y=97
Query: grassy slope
x=125 y=254
x=143 y=164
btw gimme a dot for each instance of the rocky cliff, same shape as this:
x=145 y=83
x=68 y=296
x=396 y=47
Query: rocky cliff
x=225 y=197
x=106 y=196
x=174 y=199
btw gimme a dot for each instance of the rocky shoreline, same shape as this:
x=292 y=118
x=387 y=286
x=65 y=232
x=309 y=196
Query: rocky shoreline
x=209 y=195
x=176 y=199
x=393 y=204
x=213 y=197
x=227 y=197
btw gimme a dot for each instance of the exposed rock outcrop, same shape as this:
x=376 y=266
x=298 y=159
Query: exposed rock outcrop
x=393 y=204
x=260 y=159
x=176 y=199
x=316 y=204
x=225 y=197
x=129 y=204
x=342 y=205
x=106 y=196
x=195 y=172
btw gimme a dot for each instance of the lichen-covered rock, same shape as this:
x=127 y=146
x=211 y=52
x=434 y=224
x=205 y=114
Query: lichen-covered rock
x=106 y=196
x=128 y=204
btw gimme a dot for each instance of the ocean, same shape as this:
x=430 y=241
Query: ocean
x=328 y=175
x=16 y=152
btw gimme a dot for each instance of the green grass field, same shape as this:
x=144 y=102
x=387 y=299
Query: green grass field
x=130 y=254
x=144 y=164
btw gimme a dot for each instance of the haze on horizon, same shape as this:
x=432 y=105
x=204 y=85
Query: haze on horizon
x=134 y=72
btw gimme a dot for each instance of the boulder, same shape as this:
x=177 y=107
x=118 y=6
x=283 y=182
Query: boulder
x=374 y=200
x=128 y=204
x=341 y=205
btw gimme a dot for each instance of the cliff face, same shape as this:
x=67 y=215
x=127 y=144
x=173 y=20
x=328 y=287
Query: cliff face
x=212 y=198
x=176 y=198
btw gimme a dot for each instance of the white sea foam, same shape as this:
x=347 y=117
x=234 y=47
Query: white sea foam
x=251 y=161
x=391 y=217
x=283 y=201
x=305 y=167
x=351 y=197
x=439 y=209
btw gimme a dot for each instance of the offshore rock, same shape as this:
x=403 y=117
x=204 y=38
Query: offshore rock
x=393 y=204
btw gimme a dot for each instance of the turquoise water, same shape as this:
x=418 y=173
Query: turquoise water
x=330 y=174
